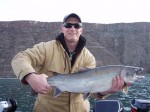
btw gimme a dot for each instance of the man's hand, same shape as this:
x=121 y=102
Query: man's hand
x=38 y=83
x=117 y=85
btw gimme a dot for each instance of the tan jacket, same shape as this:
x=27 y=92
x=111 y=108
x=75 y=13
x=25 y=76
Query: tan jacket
x=47 y=58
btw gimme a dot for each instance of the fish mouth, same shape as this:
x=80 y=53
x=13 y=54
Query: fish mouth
x=138 y=70
x=138 y=77
x=135 y=70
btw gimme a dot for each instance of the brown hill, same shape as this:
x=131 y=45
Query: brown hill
x=120 y=43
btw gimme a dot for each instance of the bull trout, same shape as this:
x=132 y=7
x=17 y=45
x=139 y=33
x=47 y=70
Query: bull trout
x=94 y=80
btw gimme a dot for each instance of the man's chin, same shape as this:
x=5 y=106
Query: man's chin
x=72 y=40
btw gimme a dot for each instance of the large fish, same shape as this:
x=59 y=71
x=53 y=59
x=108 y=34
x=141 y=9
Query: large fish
x=94 y=80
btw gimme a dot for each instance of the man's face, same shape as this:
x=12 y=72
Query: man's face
x=72 y=30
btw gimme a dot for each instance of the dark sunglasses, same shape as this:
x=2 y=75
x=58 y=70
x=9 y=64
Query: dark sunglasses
x=69 y=25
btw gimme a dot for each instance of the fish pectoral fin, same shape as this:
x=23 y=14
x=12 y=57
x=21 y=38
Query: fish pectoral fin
x=86 y=95
x=57 y=92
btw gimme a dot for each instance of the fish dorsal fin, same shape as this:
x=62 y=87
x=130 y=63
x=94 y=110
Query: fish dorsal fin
x=55 y=73
x=83 y=69
x=86 y=95
x=57 y=92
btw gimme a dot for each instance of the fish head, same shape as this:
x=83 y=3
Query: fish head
x=129 y=74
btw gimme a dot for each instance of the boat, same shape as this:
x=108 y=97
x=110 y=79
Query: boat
x=112 y=105
x=106 y=105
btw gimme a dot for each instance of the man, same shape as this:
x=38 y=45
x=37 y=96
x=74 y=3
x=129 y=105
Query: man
x=66 y=54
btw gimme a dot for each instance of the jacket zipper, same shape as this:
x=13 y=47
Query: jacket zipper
x=67 y=61
x=71 y=54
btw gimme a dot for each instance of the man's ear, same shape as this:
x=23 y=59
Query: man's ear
x=82 y=30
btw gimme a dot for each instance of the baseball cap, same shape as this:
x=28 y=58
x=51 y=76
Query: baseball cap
x=71 y=15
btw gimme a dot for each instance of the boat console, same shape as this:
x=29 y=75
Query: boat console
x=140 y=105
x=115 y=105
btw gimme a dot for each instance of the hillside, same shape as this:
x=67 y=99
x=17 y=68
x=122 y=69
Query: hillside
x=120 y=43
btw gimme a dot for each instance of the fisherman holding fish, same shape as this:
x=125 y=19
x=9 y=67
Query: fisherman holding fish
x=66 y=54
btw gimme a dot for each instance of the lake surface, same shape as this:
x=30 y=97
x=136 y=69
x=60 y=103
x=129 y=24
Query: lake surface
x=12 y=88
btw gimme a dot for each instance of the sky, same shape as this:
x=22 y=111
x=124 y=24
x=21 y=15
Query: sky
x=91 y=11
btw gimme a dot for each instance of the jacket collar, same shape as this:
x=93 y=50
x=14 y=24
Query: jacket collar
x=80 y=46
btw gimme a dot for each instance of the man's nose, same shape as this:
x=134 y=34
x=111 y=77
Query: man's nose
x=73 y=27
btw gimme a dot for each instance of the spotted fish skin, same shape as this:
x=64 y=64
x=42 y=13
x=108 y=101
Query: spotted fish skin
x=94 y=80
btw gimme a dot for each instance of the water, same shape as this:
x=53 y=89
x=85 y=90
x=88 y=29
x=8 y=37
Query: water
x=12 y=88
